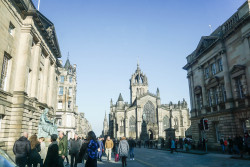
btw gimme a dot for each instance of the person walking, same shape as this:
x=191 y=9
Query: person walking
x=101 y=147
x=89 y=150
x=43 y=149
x=109 y=146
x=123 y=150
x=34 y=157
x=52 y=157
x=22 y=150
x=222 y=145
x=74 y=148
x=131 y=148
x=172 y=145
x=63 y=148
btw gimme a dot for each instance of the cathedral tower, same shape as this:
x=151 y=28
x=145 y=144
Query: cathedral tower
x=105 y=126
x=138 y=84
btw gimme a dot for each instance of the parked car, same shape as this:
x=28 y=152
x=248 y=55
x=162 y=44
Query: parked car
x=6 y=160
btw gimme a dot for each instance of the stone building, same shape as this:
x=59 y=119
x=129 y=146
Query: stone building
x=218 y=73
x=67 y=110
x=68 y=119
x=29 y=53
x=145 y=117
x=83 y=126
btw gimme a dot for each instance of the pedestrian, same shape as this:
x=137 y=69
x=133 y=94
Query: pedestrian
x=235 y=145
x=22 y=150
x=131 y=148
x=172 y=145
x=247 y=142
x=89 y=150
x=63 y=148
x=222 y=145
x=230 y=145
x=74 y=148
x=43 y=149
x=100 y=149
x=123 y=150
x=34 y=157
x=109 y=146
x=52 y=158
x=225 y=143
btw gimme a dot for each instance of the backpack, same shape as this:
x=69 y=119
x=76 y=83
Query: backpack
x=225 y=142
x=92 y=149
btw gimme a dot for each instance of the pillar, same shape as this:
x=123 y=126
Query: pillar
x=35 y=69
x=227 y=80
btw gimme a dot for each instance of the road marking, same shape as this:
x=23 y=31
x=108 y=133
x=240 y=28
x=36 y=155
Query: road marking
x=145 y=163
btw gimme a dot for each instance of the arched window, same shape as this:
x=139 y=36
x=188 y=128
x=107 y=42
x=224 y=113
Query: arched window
x=149 y=112
x=132 y=124
x=176 y=124
x=166 y=123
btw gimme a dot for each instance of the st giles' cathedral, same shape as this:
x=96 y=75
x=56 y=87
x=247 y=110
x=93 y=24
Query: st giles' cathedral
x=145 y=117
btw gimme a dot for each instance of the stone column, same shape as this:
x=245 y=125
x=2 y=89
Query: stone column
x=227 y=80
x=204 y=100
x=45 y=80
x=247 y=55
x=23 y=55
x=35 y=69
x=51 y=86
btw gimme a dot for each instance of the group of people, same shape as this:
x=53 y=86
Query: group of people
x=33 y=151
x=237 y=144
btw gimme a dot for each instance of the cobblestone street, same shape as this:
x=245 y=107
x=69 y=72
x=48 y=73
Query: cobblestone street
x=158 y=158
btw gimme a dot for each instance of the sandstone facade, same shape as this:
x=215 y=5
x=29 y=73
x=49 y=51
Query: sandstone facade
x=68 y=119
x=29 y=53
x=219 y=80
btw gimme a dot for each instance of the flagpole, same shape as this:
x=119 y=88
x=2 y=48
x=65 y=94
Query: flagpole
x=38 y=5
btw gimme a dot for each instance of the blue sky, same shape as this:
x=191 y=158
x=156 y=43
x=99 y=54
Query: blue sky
x=106 y=37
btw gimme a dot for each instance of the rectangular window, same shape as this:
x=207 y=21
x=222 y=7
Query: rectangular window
x=70 y=91
x=11 y=29
x=59 y=105
x=213 y=68
x=220 y=65
x=70 y=79
x=69 y=104
x=216 y=96
x=199 y=101
x=61 y=90
x=59 y=122
x=4 y=72
x=239 y=88
x=224 y=95
x=209 y=98
x=62 y=79
x=206 y=72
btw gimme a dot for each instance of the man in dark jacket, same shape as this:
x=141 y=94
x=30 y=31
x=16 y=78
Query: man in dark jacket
x=51 y=159
x=63 y=148
x=74 y=148
x=21 y=150
x=131 y=148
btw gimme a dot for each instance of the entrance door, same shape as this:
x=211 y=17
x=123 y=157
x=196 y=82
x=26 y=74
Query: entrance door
x=151 y=135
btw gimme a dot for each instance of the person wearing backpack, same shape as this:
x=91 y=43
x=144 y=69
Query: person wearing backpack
x=89 y=151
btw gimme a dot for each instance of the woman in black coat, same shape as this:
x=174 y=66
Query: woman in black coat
x=51 y=159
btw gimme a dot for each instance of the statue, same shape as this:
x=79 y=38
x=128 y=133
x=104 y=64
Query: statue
x=46 y=127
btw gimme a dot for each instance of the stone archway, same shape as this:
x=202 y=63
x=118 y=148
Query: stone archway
x=151 y=134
